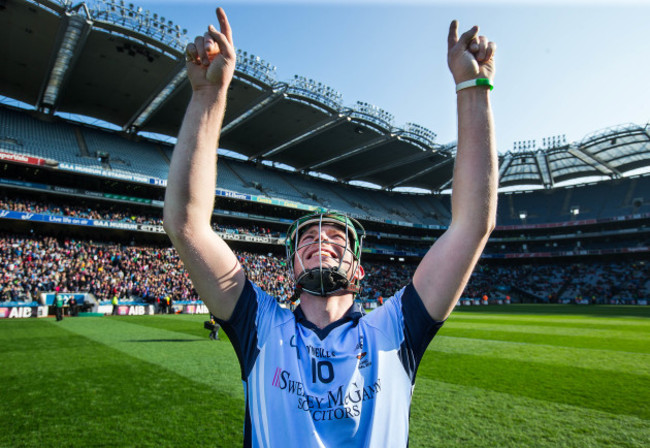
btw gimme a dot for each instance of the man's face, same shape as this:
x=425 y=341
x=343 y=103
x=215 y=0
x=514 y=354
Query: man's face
x=331 y=249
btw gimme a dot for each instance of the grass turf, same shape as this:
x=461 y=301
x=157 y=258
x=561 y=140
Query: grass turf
x=511 y=376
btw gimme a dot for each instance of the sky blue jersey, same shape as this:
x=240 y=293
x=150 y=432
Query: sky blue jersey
x=347 y=385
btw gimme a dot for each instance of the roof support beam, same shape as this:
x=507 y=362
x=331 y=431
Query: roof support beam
x=446 y=184
x=71 y=44
x=544 y=168
x=158 y=98
x=595 y=162
x=505 y=165
x=425 y=171
x=318 y=128
x=381 y=140
x=397 y=163
x=273 y=97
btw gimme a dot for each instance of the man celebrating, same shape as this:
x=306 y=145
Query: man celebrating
x=326 y=374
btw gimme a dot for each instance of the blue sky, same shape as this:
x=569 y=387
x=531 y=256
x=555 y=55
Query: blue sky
x=570 y=67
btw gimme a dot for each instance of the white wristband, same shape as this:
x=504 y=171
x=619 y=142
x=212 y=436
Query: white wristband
x=474 y=83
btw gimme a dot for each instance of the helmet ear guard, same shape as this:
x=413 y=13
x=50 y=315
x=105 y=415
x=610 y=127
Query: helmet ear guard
x=325 y=280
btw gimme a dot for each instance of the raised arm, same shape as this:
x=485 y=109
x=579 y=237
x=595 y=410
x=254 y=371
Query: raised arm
x=444 y=271
x=189 y=199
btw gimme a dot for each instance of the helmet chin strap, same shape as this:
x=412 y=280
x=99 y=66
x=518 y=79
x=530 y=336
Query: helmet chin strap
x=322 y=281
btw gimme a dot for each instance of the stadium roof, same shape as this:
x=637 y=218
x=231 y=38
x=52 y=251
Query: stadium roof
x=125 y=66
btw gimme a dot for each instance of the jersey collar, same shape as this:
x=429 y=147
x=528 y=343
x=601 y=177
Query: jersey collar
x=353 y=314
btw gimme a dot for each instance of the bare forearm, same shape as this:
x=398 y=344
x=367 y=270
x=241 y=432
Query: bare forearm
x=474 y=189
x=189 y=198
x=444 y=271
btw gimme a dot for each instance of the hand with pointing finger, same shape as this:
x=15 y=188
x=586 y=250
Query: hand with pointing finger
x=211 y=58
x=471 y=56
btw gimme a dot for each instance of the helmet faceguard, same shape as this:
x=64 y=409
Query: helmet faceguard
x=325 y=280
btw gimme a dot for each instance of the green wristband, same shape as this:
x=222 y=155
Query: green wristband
x=474 y=83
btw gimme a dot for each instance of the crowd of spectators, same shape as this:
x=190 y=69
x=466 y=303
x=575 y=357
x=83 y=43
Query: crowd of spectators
x=384 y=279
x=247 y=230
x=567 y=282
x=599 y=282
x=31 y=264
x=107 y=212
x=121 y=212
x=269 y=272
x=606 y=282
x=112 y=212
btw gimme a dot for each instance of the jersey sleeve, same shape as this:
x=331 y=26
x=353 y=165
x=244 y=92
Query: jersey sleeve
x=254 y=315
x=419 y=330
x=406 y=323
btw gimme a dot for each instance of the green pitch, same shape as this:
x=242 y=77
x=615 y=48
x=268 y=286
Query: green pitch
x=493 y=377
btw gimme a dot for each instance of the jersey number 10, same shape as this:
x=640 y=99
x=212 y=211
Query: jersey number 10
x=323 y=370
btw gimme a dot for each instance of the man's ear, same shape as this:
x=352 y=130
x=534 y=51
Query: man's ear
x=360 y=274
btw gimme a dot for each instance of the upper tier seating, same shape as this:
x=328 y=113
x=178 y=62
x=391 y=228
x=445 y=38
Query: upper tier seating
x=125 y=155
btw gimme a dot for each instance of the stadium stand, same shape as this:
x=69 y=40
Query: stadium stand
x=124 y=155
x=313 y=191
x=335 y=198
x=23 y=134
x=265 y=181
x=229 y=179
x=367 y=201
x=557 y=243
x=135 y=270
x=61 y=142
x=601 y=200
